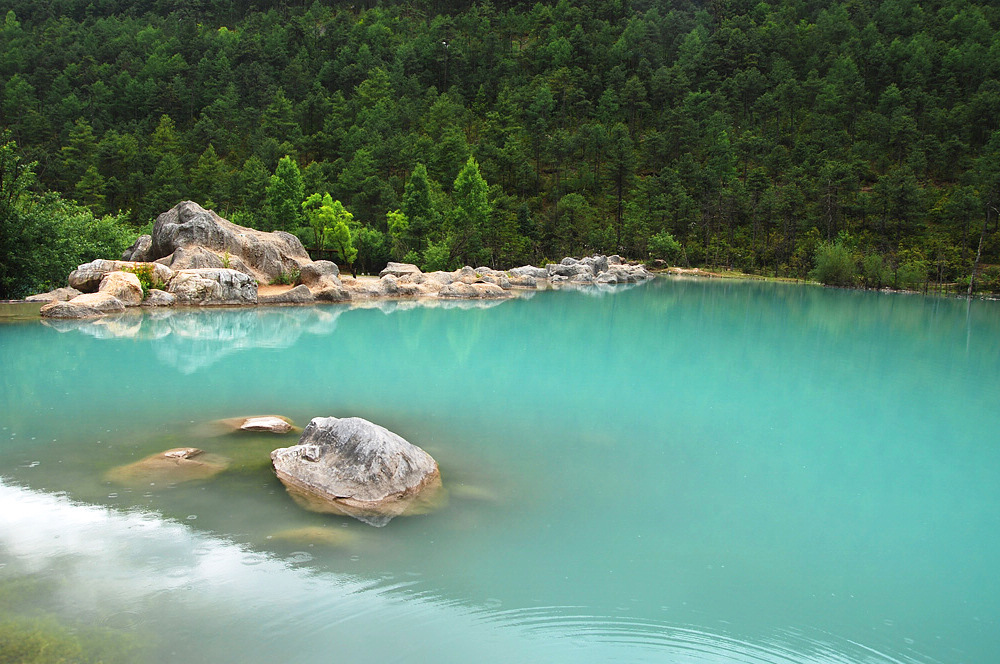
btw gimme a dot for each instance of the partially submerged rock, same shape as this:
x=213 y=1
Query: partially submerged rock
x=180 y=464
x=159 y=298
x=57 y=295
x=309 y=535
x=476 y=290
x=258 y=423
x=88 y=305
x=213 y=286
x=268 y=424
x=353 y=467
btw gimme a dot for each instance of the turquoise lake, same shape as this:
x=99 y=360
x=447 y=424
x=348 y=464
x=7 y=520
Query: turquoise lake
x=682 y=471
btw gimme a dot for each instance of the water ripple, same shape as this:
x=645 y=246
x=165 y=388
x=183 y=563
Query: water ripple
x=690 y=643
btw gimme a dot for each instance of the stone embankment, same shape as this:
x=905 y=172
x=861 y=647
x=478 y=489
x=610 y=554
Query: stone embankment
x=196 y=258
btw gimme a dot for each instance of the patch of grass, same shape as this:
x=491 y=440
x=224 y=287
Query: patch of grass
x=46 y=641
x=38 y=637
x=285 y=278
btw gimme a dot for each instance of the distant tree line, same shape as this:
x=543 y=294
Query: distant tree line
x=777 y=137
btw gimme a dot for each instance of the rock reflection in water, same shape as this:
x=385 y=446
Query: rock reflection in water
x=194 y=339
x=189 y=340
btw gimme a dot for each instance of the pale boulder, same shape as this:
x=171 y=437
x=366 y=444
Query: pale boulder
x=399 y=269
x=123 y=285
x=269 y=424
x=159 y=298
x=353 y=467
x=203 y=237
x=57 y=295
x=88 y=305
x=298 y=295
x=213 y=286
x=87 y=277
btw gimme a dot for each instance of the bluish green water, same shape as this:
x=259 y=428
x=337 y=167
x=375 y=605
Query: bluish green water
x=685 y=471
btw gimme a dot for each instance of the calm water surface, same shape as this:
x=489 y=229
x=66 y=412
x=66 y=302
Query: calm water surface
x=685 y=471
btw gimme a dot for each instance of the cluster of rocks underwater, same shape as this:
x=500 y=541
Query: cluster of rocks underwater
x=345 y=466
x=194 y=257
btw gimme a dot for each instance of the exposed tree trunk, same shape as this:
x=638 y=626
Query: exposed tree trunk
x=979 y=251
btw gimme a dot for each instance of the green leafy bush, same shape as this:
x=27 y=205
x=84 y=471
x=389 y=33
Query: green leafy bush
x=43 y=237
x=874 y=271
x=664 y=246
x=835 y=265
x=912 y=274
x=147 y=277
x=436 y=257
x=285 y=278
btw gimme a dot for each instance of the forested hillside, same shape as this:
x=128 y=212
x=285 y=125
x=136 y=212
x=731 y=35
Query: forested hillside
x=776 y=137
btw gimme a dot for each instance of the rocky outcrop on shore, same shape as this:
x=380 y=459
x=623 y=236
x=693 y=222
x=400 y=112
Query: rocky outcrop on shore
x=190 y=237
x=196 y=258
x=353 y=467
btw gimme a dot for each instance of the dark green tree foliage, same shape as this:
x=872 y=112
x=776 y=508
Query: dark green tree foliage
x=469 y=216
x=736 y=129
x=42 y=237
x=418 y=210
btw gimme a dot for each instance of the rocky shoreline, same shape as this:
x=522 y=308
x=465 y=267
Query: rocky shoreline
x=196 y=258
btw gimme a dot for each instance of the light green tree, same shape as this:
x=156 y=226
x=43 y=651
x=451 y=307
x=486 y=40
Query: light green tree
x=399 y=228
x=319 y=213
x=340 y=235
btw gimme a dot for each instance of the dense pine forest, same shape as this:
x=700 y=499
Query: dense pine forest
x=857 y=141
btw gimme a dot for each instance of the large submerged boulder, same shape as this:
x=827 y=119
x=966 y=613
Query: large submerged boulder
x=353 y=467
x=189 y=237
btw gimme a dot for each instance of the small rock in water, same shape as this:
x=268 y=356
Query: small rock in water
x=255 y=423
x=333 y=537
x=272 y=424
x=181 y=464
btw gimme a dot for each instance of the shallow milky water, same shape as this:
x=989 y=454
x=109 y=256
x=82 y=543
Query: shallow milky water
x=684 y=471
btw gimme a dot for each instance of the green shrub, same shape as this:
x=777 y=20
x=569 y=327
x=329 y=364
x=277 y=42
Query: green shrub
x=874 y=271
x=147 y=277
x=912 y=274
x=437 y=256
x=285 y=278
x=664 y=246
x=835 y=266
